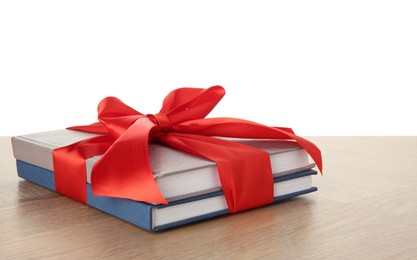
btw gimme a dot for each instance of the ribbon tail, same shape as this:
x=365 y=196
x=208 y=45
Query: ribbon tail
x=97 y=127
x=69 y=165
x=124 y=170
x=286 y=129
x=239 y=128
x=245 y=172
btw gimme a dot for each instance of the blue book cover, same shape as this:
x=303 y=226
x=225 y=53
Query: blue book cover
x=160 y=217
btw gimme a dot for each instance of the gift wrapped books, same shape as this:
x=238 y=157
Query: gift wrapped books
x=172 y=168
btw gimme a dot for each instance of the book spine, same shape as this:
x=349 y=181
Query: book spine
x=134 y=212
x=32 y=152
x=38 y=175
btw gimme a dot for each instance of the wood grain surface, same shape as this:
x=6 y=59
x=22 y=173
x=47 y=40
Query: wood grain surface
x=365 y=208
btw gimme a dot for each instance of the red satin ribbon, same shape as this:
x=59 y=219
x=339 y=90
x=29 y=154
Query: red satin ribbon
x=124 y=170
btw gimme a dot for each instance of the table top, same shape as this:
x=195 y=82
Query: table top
x=365 y=208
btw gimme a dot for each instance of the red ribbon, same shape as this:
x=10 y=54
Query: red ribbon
x=124 y=170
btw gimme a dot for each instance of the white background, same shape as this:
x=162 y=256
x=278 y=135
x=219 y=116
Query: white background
x=320 y=67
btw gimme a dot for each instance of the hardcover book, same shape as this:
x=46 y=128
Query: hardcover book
x=179 y=175
x=190 y=184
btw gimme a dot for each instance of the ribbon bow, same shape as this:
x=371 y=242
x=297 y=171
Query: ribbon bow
x=124 y=170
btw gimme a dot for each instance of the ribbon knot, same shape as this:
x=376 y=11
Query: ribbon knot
x=124 y=169
x=162 y=120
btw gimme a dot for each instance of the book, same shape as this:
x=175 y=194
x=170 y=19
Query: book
x=178 y=175
x=160 y=217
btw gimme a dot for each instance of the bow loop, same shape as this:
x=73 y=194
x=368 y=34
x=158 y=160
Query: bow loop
x=180 y=105
x=116 y=116
x=186 y=104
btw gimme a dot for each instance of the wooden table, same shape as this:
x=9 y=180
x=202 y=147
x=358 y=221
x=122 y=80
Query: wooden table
x=366 y=208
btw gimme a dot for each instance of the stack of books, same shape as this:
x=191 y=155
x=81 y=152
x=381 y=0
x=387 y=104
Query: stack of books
x=190 y=184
